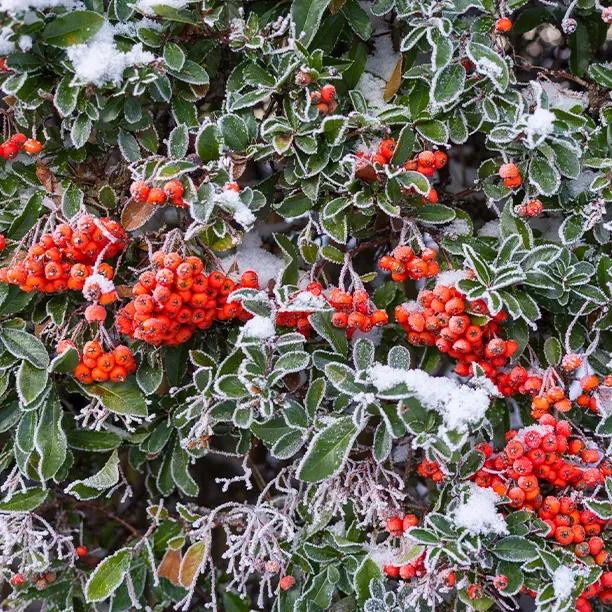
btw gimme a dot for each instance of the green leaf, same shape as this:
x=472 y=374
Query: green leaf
x=107 y=476
x=435 y=214
x=178 y=141
x=433 y=130
x=447 y=85
x=191 y=73
x=128 y=145
x=367 y=571
x=234 y=131
x=72 y=200
x=321 y=322
x=471 y=463
x=489 y=64
x=328 y=450
x=50 y=439
x=515 y=548
x=307 y=15
x=174 y=56
x=73 y=28
x=108 y=576
x=93 y=441
x=120 y=398
x=66 y=96
x=150 y=374
x=414 y=180
x=65 y=362
x=31 y=381
x=28 y=217
x=553 y=351
x=208 y=142
x=25 y=346
x=544 y=176
x=80 y=131
x=25 y=501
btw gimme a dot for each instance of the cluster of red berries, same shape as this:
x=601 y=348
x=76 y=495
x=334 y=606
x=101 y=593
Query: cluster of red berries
x=97 y=365
x=511 y=175
x=602 y=589
x=176 y=297
x=355 y=312
x=325 y=99
x=589 y=384
x=40 y=581
x=441 y=318
x=502 y=25
x=404 y=264
x=533 y=208
x=64 y=259
x=430 y=469
x=171 y=192
x=18 y=142
x=298 y=319
x=539 y=453
x=427 y=162
x=396 y=525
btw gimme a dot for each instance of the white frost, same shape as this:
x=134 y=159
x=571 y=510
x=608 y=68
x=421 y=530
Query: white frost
x=15 y=7
x=6 y=46
x=230 y=200
x=538 y=125
x=450 y=278
x=478 y=513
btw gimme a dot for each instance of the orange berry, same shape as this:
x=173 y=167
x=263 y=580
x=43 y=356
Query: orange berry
x=95 y=313
x=156 y=196
x=32 y=146
x=503 y=24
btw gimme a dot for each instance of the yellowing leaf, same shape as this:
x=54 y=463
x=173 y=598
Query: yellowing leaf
x=393 y=84
x=190 y=564
x=170 y=565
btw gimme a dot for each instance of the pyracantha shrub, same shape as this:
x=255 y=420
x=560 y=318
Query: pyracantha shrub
x=305 y=305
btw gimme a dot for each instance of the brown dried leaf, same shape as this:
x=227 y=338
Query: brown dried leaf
x=336 y=5
x=191 y=564
x=170 y=565
x=123 y=291
x=393 y=84
x=136 y=214
x=46 y=177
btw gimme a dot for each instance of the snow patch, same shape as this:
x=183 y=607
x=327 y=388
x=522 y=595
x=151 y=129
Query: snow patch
x=15 y=7
x=230 y=200
x=478 y=513
x=458 y=404
x=251 y=256
x=147 y=6
x=6 y=46
x=450 y=278
x=259 y=327
x=99 y=61
x=538 y=125
x=563 y=582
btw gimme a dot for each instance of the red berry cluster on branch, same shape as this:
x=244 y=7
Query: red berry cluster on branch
x=355 y=311
x=325 y=99
x=67 y=257
x=97 y=365
x=430 y=469
x=427 y=162
x=177 y=297
x=396 y=526
x=404 y=264
x=544 y=457
x=600 y=589
x=298 y=319
x=444 y=318
x=18 y=142
x=171 y=192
